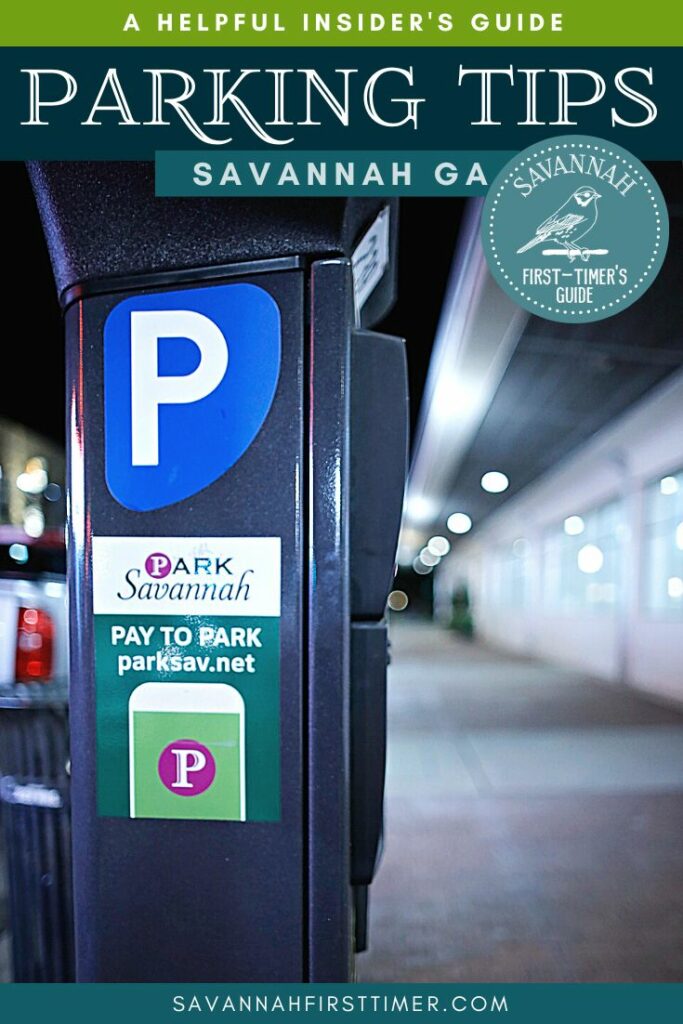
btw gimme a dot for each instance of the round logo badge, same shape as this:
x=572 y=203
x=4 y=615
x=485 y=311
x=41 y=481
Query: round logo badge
x=157 y=565
x=575 y=229
x=186 y=767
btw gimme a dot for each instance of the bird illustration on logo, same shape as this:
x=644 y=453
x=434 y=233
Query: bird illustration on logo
x=569 y=223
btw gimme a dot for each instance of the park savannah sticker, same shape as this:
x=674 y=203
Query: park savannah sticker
x=575 y=229
x=187 y=677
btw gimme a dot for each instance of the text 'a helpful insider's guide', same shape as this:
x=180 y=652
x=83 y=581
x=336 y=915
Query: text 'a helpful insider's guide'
x=187 y=675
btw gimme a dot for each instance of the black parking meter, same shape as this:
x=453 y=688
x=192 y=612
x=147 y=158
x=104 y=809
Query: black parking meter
x=237 y=446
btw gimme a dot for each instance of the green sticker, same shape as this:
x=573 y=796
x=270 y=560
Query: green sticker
x=186 y=763
x=575 y=229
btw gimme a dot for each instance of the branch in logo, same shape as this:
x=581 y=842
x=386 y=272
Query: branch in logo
x=571 y=222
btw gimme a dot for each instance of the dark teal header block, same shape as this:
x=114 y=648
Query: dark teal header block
x=129 y=103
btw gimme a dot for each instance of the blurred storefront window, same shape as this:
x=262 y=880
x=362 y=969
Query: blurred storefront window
x=510 y=575
x=582 y=560
x=663 y=546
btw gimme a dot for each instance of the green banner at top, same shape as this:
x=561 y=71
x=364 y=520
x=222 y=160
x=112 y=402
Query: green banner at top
x=341 y=23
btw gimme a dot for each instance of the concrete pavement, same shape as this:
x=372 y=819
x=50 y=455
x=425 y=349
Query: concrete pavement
x=534 y=827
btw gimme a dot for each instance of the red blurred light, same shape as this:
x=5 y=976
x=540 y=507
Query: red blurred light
x=35 y=646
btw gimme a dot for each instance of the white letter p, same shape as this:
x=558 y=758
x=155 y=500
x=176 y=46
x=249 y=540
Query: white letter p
x=148 y=390
x=186 y=761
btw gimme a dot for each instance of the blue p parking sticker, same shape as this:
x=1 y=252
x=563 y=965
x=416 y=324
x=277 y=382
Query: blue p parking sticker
x=575 y=229
x=189 y=378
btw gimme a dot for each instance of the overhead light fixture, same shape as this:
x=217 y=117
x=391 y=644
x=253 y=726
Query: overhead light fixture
x=668 y=485
x=419 y=509
x=398 y=600
x=574 y=525
x=459 y=522
x=674 y=587
x=478 y=330
x=19 y=552
x=405 y=555
x=427 y=558
x=409 y=543
x=53 y=492
x=420 y=568
x=439 y=546
x=590 y=559
x=495 y=482
x=34 y=522
x=33 y=481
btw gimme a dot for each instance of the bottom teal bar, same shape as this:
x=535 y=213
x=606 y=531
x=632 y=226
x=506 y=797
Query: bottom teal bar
x=526 y=1004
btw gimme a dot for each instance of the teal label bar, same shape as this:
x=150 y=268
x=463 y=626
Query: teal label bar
x=512 y=1004
x=327 y=173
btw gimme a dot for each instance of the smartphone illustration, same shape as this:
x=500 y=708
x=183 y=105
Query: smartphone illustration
x=186 y=751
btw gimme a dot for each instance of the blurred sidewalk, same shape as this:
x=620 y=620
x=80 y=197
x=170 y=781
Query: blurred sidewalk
x=534 y=825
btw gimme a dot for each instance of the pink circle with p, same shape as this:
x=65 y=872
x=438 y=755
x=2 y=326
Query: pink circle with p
x=157 y=565
x=186 y=767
